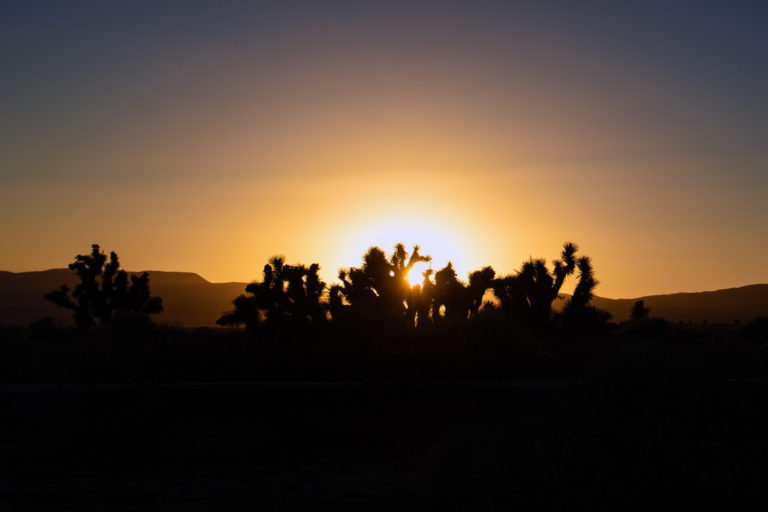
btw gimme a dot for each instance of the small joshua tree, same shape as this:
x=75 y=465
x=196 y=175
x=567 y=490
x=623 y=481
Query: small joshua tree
x=103 y=290
x=639 y=311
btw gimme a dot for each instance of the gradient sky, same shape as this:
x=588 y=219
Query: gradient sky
x=208 y=136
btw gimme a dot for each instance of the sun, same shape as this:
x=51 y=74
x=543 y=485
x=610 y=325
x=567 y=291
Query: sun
x=437 y=236
x=416 y=274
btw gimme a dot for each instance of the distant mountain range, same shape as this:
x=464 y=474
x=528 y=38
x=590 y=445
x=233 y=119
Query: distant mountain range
x=720 y=306
x=188 y=299
x=191 y=301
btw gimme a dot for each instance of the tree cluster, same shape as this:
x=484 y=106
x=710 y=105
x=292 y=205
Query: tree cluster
x=382 y=291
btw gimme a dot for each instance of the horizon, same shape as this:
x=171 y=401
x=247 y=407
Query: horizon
x=211 y=137
x=567 y=287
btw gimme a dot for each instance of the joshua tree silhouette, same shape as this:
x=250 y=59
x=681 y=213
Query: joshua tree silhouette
x=639 y=311
x=449 y=296
x=380 y=292
x=578 y=313
x=103 y=290
x=479 y=282
x=583 y=293
x=528 y=295
x=379 y=288
x=288 y=295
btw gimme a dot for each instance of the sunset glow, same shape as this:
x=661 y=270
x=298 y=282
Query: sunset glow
x=413 y=227
x=416 y=275
x=383 y=254
x=207 y=140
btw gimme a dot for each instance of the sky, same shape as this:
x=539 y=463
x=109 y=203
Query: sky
x=209 y=136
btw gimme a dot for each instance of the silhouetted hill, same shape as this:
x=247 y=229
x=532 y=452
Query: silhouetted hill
x=188 y=299
x=721 y=306
x=191 y=301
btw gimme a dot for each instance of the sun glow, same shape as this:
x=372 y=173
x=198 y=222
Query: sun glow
x=416 y=275
x=428 y=230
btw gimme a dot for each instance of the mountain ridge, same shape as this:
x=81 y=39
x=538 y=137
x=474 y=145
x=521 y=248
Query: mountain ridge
x=190 y=300
x=725 y=305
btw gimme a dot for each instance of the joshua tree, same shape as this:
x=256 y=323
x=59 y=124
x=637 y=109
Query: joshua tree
x=578 y=312
x=103 y=290
x=288 y=294
x=639 y=311
x=529 y=294
x=449 y=294
x=421 y=299
x=583 y=293
x=479 y=282
x=379 y=287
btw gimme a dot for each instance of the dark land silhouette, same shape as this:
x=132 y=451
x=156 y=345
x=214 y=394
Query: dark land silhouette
x=384 y=447
x=374 y=326
x=378 y=395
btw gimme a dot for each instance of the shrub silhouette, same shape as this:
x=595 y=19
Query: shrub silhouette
x=103 y=290
x=756 y=330
x=288 y=295
x=639 y=311
x=641 y=325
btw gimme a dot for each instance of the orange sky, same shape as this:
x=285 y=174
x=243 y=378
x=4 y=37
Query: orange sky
x=196 y=146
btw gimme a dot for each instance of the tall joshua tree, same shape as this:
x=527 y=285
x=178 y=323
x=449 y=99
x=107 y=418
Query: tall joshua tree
x=528 y=294
x=583 y=293
x=103 y=290
x=578 y=312
x=379 y=287
x=479 y=282
x=288 y=295
x=449 y=294
x=455 y=299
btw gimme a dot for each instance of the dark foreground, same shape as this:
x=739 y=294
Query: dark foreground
x=383 y=447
